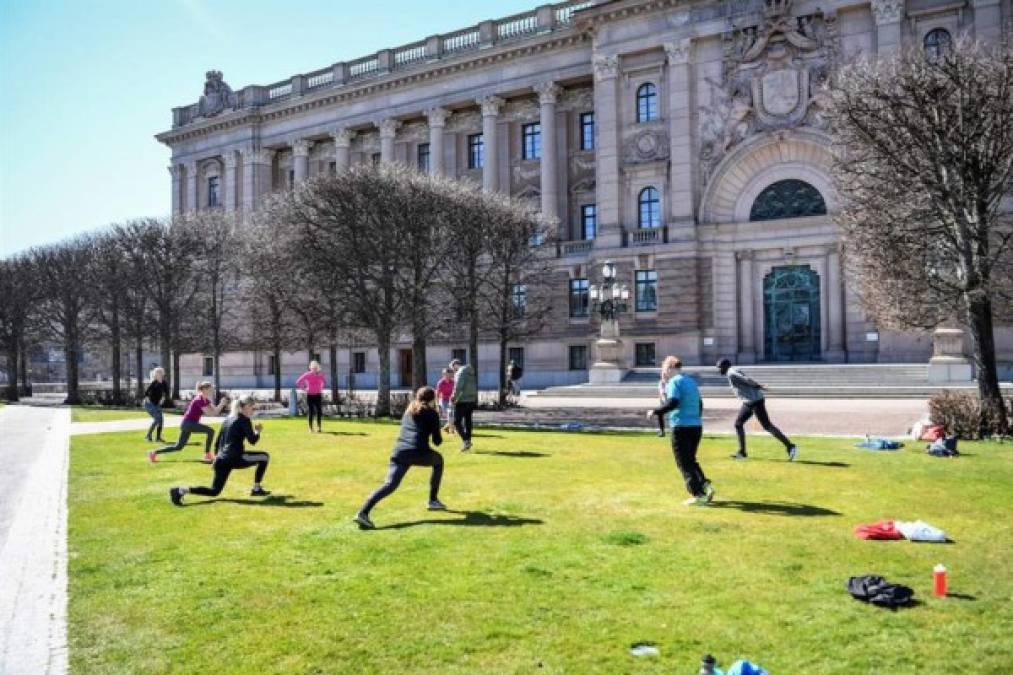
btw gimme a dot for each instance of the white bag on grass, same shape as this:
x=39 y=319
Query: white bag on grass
x=920 y=531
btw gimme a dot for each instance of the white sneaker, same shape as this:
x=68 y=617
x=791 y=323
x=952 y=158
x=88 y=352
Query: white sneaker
x=792 y=452
x=465 y=446
x=437 y=505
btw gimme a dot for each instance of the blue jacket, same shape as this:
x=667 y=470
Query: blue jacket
x=684 y=405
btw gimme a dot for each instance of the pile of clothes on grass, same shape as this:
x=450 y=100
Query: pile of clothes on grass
x=916 y=530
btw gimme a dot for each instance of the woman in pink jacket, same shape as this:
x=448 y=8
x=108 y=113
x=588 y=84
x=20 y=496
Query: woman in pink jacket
x=313 y=382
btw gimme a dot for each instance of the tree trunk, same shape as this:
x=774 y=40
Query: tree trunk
x=502 y=370
x=25 y=357
x=383 y=385
x=70 y=354
x=472 y=292
x=12 y=372
x=333 y=356
x=420 y=374
x=175 y=375
x=277 y=373
x=993 y=410
x=165 y=345
x=139 y=356
x=117 y=357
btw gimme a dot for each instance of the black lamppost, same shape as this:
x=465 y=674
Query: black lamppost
x=609 y=299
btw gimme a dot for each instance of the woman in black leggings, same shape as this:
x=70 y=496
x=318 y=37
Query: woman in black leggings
x=236 y=430
x=421 y=422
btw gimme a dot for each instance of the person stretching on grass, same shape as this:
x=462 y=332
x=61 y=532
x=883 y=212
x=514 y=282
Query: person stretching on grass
x=750 y=393
x=236 y=431
x=420 y=424
x=200 y=405
x=313 y=382
x=685 y=408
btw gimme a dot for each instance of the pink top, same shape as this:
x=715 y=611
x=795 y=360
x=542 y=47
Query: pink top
x=196 y=408
x=312 y=382
x=444 y=389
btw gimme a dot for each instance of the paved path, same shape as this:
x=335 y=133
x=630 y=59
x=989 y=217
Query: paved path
x=33 y=540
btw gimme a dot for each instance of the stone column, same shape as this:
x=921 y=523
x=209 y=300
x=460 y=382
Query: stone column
x=888 y=15
x=176 y=200
x=606 y=149
x=388 y=130
x=230 y=189
x=747 y=312
x=835 y=309
x=548 y=95
x=491 y=106
x=191 y=186
x=256 y=176
x=437 y=120
x=301 y=160
x=987 y=20
x=680 y=132
x=726 y=313
x=342 y=143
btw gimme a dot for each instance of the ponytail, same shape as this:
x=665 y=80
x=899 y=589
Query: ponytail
x=423 y=397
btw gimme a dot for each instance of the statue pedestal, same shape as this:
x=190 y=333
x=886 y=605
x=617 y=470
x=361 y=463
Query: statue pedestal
x=608 y=367
x=948 y=363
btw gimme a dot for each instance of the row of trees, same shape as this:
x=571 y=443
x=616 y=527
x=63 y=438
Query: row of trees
x=372 y=255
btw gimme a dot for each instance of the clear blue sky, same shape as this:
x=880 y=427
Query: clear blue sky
x=86 y=84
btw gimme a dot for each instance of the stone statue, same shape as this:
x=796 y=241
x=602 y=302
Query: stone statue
x=218 y=95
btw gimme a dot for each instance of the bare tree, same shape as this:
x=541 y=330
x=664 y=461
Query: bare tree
x=464 y=273
x=924 y=159
x=18 y=294
x=105 y=278
x=137 y=320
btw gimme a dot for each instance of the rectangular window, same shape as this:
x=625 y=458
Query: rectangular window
x=516 y=354
x=272 y=365
x=375 y=158
x=358 y=362
x=209 y=366
x=459 y=355
x=423 y=157
x=645 y=355
x=213 y=191
x=579 y=291
x=647 y=290
x=332 y=167
x=476 y=151
x=588 y=221
x=578 y=357
x=519 y=296
x=531 y=141
x=587 y=131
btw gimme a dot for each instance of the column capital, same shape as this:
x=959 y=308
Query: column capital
x=388 y=127
x=229 y=159
x=437 y=116
x=548 y=92
x=191 y=166
x=606 y=67
x=744 y=255
x=491 y=105
x=301 y=147
x=343 y=137
x=679 y=52
x=887 y=11
x=262 y=156
x=175 y=170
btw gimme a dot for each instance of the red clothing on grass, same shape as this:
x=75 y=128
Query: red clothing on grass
x=884 y=529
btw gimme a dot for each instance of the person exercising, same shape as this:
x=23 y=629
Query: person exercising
x=750 y=392
x=199 y=405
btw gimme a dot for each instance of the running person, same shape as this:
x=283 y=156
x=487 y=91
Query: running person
x=156 y=392
x=313 y=383
x=236 y=430
x=420 y=423
x=685 y=408
x=750 y=393
x=200 y=405
x=465 y=398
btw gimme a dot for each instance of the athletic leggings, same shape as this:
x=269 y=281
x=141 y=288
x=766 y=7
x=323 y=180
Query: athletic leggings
x=685 y=441
x=396 y=473
x=661 y=418
x=185 y=430
x=462 y=419
x=156 y=419
x=758 y=408
x=314 y=402
x=224 y=467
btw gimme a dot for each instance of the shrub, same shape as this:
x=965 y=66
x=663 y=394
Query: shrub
x=959 y=412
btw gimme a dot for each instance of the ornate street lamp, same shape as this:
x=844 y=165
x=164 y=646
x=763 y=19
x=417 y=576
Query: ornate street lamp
x=609 y=299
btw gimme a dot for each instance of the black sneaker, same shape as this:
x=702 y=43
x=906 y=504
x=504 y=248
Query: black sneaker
x=259 y=492
x=739 y=455
x=363 y=521
x=176 y=496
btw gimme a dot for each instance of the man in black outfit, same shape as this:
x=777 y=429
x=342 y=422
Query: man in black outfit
x=750 y=393
x=236 y=430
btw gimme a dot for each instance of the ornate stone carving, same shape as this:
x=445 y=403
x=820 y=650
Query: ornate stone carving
x=218 y=96
x=343 y=138
x=464 y=122
x=646 y=145
x=415 y=132
x=262 y=156
x=887 y=11
x=491 y=105
x=606 y=67
x=579 y=99
x=176 y=171
x=678 y=53
x=301 y=148
x=388 y=127
x=548 y=93
x=771 y=77
x=437 y=116
x=522 y=110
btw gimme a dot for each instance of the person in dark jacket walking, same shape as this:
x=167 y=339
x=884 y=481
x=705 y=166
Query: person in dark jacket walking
x=156 y=392
x=465 y=400
x=419 y=426
x=750 y=393
x=237 y=430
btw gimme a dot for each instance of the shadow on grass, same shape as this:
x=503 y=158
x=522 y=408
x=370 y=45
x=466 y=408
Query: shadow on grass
x=284 y=501
x=508 y=453
x=962 y=596
x=775 y=508
x=811 y=462
x=345 y=433
x=471 y=519
x=484 y=435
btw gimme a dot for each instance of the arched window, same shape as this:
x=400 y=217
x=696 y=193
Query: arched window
x=788 y=199
x=647 y=103
x=937 y=43
x=650 y=209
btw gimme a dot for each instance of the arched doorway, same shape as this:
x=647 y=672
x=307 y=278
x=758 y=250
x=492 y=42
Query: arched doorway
x=791 y=314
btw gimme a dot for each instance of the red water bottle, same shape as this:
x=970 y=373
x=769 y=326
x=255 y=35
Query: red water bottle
x=939 y=581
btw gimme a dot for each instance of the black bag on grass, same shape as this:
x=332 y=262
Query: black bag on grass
x=878 y=591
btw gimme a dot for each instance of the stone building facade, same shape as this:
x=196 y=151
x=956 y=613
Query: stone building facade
x=679 y=139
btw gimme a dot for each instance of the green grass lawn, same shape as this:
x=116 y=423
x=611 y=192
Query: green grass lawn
x=563 y=550
x=103 y=414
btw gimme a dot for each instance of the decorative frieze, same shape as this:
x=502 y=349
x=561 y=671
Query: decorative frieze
x=887 y=11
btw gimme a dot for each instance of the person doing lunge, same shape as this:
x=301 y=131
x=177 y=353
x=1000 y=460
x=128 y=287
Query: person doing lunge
x=750 y=393
x=156 y=392
x=685 y=408
x=199 y=405
x=464 y=399
x=419 y=426
x=313 y=383
x=237 y=430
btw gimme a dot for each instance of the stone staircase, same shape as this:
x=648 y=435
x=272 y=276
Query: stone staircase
x=808 y=380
